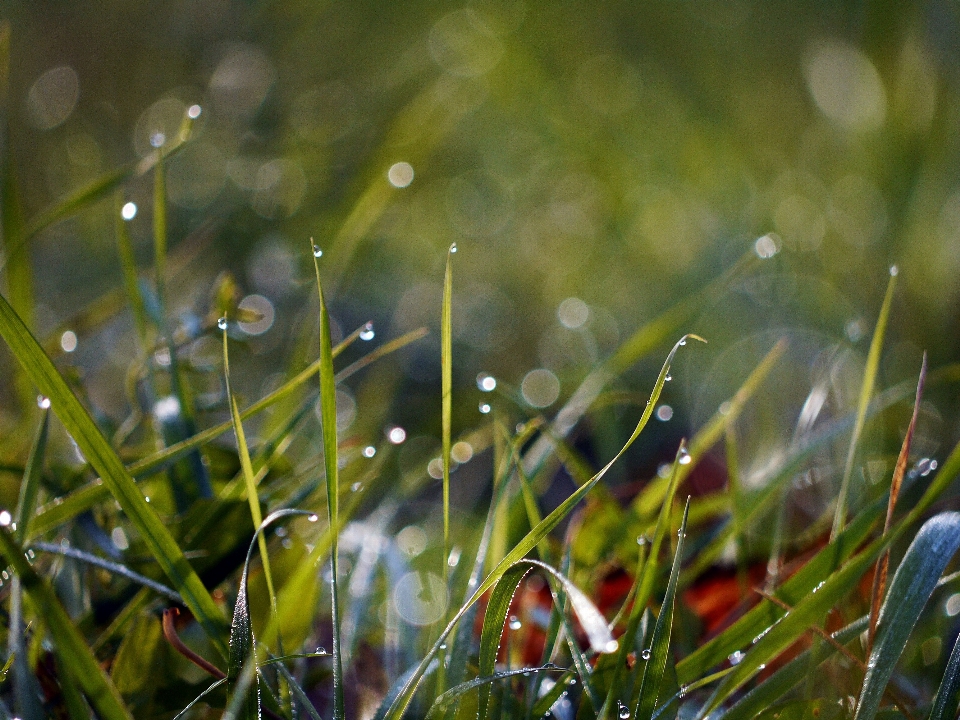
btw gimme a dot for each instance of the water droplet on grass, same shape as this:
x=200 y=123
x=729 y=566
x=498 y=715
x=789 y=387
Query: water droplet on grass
x=453 y=248
x=894 y=270
x=484 y=408
x=396 y=434
x=5 y=518
x=43 y=402
x=317 y=252
x=486 y=382
x=312 y=518
x=193 y=112
x=222 y=323
x=128 y=211
x=369 y=451
x=623 y=712
x=645 y=654
x=685 y=458
x=367 y=333
x=515 y=623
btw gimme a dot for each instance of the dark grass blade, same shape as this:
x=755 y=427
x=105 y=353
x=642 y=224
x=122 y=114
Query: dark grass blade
x=948 y=694
x=30 y=486
x=328 y=422
x=494 y=619
x=883 y=565
x=660 y=645
x=128 y=266
x=104 y=460
x=866 y=392
x=916 y=577
x=198 y=698
x=72 y=648
x=530 y=541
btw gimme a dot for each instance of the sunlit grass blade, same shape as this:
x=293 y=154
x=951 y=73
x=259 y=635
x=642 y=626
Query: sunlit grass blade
x=809 y=610
x=198 y=698
x=446 y=394
x=656 y=656
x=789 y=676
x=530 y=541
x=866 y=393
x=916 y=577
x=253 y=498
x=72 y=648
x=948 y=694
x=328 y=423
x=301 y=696
x=104 y=460
x=63 y=509
x=494 y=620
x=455 y=693
x=899 y=470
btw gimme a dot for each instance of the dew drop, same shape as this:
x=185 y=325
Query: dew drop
x=369 y=451
x=321 y=651
x=645 y=654
x=894 y=270
x=43 y=402
x=642 y=540
x=572 y=681
x=668 y=378
x=453 y=248
x=317 y=252
x=443 y=646
x=222 y=323
x=313 y=518
x=735 y=657
x=367 y=333
x=515 y=623
x=484 y=408
x=356 y=487
x=623 y=711
x=486 y=382
x=5 y=518
x=193 y=112
x=683 y=342
x=685 y=458
x=128 y=211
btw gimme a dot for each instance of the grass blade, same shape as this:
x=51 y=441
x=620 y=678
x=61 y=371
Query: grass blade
x=446 y=392
x=115 y=477
x=71 y=646
x=253 y=499
x=530 y=541
x=454 y=693
x=30 y=486
x=866 y=392
x=948 y=694
x=660 y=645
x=128 y=266
x=494 y=620
x=328 y=423
x=932 y=548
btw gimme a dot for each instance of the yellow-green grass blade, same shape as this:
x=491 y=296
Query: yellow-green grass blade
x=63 y=509
x=72 y=648
x=253 y=499
x=866 y=393
x=455 y=693
x=656 y=657
x=446 y=393
x=328 y=426
x=128 y=266
x=30 y=486
x=115 y=476
x=399 y=705
x=916 y=578
x=811 y=608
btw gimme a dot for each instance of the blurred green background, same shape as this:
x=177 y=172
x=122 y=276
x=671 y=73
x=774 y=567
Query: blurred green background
x=595 y=162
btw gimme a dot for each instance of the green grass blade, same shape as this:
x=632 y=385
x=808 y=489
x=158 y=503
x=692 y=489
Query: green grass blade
x=948 y=694
x=298 y=692
x=72 y=648
x=916 y=577
x=455 y=693
x=30 y=486
x=104 y=460
x=866 y=392
x=530 y=541
x=656 y=662
x=328 y=423
x=128 y=266
x=789 y=676
x=79 y=199
x=63 y=509
x=253 y=499
x=446 y=393
x=810 y=609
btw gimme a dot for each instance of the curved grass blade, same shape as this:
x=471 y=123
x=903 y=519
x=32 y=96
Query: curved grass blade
x=866 y=392
x=110 y=566
x=66 y=508
x=916 y=577
x=198 y=698
x=494 y=620
x=72 y=648
x=660 y=645
x=104 y=460
x=298 y=691
x=948 y=694
x=30 y=486
x=530 y=541
x=454 y=693
x=328 y=425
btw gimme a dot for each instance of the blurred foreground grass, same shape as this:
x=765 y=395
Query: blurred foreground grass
x=613 y=177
